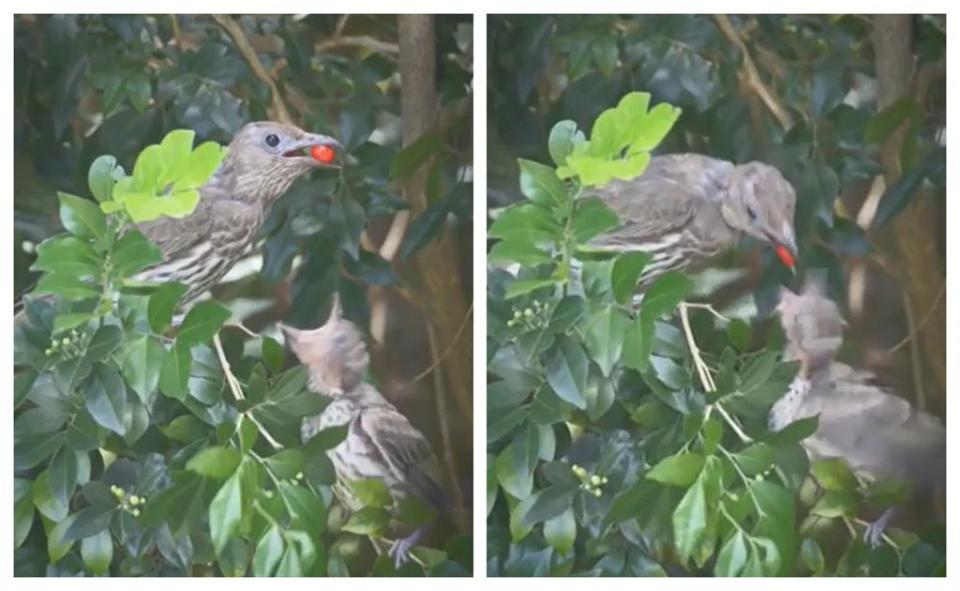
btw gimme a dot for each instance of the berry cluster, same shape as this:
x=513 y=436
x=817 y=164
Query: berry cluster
x=131 y=504
x=533 y=317
x=69 y=346
x=591 y=483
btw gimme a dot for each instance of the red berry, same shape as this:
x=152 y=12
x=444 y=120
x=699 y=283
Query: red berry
x=324 y=154
x=785 y=256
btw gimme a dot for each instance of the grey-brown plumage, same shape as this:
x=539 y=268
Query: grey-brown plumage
x=264 y=159
x=880 y=435
x=686 y=208
x=380 y=443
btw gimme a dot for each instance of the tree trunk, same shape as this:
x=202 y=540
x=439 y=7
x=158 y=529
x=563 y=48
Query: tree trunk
x=922 y=271
x=442 y=289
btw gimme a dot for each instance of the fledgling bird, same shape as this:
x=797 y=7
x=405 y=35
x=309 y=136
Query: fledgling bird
x=880 y=435
x=380 y=443
x=686 y=208
x=264 y=159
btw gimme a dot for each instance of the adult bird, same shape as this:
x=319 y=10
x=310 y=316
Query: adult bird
x=880 y=435
x=686 y=208
x=381 y=443
x=263 y=160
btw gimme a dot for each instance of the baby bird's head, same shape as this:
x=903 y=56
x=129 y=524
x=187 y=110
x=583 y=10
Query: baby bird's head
x=335 y=354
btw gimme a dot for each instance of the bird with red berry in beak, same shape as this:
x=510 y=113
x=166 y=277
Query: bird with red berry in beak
x=686 y=208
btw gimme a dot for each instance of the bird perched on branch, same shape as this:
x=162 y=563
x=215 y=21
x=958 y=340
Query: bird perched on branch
x=264 y=159
x=686 y=208
x=880 y=435
x=381 y=443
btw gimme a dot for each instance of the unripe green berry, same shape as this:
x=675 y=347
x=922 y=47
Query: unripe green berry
x=517 y=314
x=603 y=480
x=136 y=512
x=596 y=492
x=65 y=341
x=528 y=312
x=134 y=500
x=595 y=480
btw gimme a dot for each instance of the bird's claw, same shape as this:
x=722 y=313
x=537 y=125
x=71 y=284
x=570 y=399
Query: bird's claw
x=401 y=548
x=874 y=532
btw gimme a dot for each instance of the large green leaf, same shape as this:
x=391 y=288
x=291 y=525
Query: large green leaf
x=567 y=371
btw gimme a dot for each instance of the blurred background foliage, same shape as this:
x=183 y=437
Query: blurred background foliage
x=86 y=85
x=852 y=110
x=805 y=96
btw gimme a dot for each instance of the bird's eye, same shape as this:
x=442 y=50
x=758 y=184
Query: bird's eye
x=272 y=140
x=751 y=213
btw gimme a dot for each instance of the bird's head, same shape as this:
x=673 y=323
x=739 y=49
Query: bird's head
x=335 y=354
x=761 y=203
x=267 y=157
x=812 y=324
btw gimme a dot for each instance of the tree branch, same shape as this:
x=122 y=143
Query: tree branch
x=752 y=76
x=233 y=28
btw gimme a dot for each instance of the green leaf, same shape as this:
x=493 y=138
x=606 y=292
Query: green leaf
x=68 y=255
x=812 y=556
x=603 y=338
x=519 y=528
x=520 y=288
x=202 y=322
x=525 y=253
x=133 y=253
x=690 y=521
x=185 y=429
x=23 y=510
x=564 y=137
x=600 y=395
x=142 y=358
x=755 y=458
x=307 y=509
x=162 y=304
x=101 y=178
x=591 y=219
x=63 y=474
x=561 y=531
x=106 y=398
x=226 y=511
x=82 y=218
x=733 y=555
x=409 y=159
x=665 y=293
x=425 y=227
x=286 y=463
x=656 y=124
x=681 y=469
x=367 y=521
x=836 y=503
x=415 y=511
x=371 y=492
x=833 y=475
x=68 y=321
x=272 y=354
x=526 y=222
x=541 y=185
x=48 y=504
x=795 y=432
x=175 y=372
x=268 y=553
x=90 y=521
x=325 y=439
x=97 y=552
x=551 y=502
x=638 y=342
x=104 y=342
x=249 y=432
x=627 y=270
x=215 y=462
x=567 y=372
x=518 y=484
x=57 y=546
x=898 y=196
x=69 y=287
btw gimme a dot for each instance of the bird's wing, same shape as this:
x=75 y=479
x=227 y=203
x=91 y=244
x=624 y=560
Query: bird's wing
x=651 y=208
x=406 y=451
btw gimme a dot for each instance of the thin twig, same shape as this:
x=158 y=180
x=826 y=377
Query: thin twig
x=440 y=401
x=362 y=41
x=915 y=363
x=437 y=361
x=751 y=74
x=913 y=333
x=232 y=381
x=708 y=308
x=263 y=431
x=702 y=370
x=733 y=424
x=341 y=25
x=235 y=31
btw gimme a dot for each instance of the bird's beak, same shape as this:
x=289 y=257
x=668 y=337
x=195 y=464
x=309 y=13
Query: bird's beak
x=312 y=145
x=786 y=246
